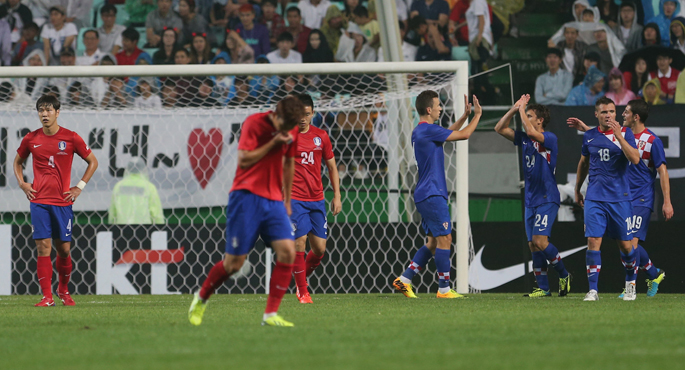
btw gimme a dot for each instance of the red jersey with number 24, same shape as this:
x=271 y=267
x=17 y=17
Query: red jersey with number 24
x=52 y=159
x=311 y=147
x=264 y=178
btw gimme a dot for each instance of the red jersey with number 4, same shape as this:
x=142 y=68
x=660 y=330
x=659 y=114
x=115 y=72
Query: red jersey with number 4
x=264 y=178
x=52 y=159
x=311 y=147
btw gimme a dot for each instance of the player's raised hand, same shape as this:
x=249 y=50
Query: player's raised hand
x=72 y=194
x=615 y=126
x=28 y=190
x=476 y=106
x=283 y=138
x=467 y=106
x=667 y=210
x=577 y=124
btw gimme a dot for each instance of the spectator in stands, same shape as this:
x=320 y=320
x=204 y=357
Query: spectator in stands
x=92 y=55
x=67 y=57
x=650 y=8
x=242 y=96
x=680 y=90
x=437 y=12
x=668 y=77
x=284 y=54
x=110 y=32
x=5 y=40
x=300 y=32
x=552 y=87
x=264 y=87
x=57 y=34
x=627 y=29
x=26 y=44
x=79 y=96
x=272 y=21
x=317 y=50
x=618 y=90
x=33 y=86
x=223 y=83
x=590 y=59
x=678 y=34
x=332 y=27
x=78 y=12
x=348 y=12
x=590 y=90
x=255 y=35
x=609 y=48
x=573 y=50
x=608 y=12
x=652 y=92
x=239 y=51
x=135 y=200
x=435 y=48
x=458 y=30
x=651 y=35
x=137 y=12
x=159 y=18
x=182 y=57
x=204 y=98
x=115 y=96
x=668 y=11
x=637 y=76
x=353 y=46
x=99 y=86
x=169 y=93
x=51 y=90
x=224 y=14
x=582 y=13
x=200 y=51
x=131 y=83
x=18 y=16
x=369 y=26
x=11 y=96
x=589 y=16
x=167 y=50
x=408 y=50
x=147 y=98
x=130 y=52
x=480 y=34
x=193 y=23
x=418 y=28
x=313 y=12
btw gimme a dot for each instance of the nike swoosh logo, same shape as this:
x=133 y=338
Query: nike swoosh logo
x=482 y=278
x=298 y=272
x=36 y=146
x=67 y=234
x=543 y=229
x=591 y=140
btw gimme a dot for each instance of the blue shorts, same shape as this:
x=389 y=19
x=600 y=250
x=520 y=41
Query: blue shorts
x=539 y=220
x=50 y=221
x=249 y=216
x=641 y=216
x=435 y=216
x=309 y=217
x=614 y=219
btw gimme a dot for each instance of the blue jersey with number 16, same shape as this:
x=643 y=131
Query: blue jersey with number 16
x=608 y=165
x=539 y=166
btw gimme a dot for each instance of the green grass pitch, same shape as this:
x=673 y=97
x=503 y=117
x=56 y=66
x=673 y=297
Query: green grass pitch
x=348 y=331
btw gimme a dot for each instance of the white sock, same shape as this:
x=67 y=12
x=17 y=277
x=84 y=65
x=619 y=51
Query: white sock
x=267 y=315
x=443 y=290
x=404 y=280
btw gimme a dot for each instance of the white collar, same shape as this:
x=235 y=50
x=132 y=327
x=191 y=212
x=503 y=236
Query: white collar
x=661 y=75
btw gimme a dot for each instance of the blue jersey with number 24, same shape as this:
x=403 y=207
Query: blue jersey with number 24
x=539 y=165
x=608 y=165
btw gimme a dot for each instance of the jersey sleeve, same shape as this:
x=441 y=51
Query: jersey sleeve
x=658 y=153
x=630 y=138
x=327 y=148
x=23 y=149
x=518 y=137
x=80 y=146
x=585 y=150
x=438 y=133
x=550 y=141
x=248 y=136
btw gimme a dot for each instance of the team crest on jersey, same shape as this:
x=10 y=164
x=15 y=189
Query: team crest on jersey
x=317 y=141
x=641 y=145
x=62 y=145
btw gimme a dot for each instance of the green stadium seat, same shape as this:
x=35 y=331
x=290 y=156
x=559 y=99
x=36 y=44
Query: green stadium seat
x=143 y=36
x=122 y=14
x=461 y=53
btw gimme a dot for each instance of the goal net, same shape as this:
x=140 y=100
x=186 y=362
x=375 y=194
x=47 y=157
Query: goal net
x=178 y=128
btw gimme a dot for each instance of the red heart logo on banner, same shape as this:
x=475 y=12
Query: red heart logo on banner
x=204 y=152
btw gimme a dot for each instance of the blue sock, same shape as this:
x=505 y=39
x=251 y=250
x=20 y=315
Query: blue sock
x=646 y=264
x=540 y=270
x=418 y=263
x=442 y=262
x=630 y=262
x=593 y=260
x=552 y=255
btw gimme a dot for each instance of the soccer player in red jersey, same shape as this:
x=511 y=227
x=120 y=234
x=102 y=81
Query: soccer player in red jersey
x=51 y=197
x=259 y=205
x=308 y=204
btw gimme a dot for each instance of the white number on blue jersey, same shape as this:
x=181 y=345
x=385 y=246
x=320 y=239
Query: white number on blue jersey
x=604 y=155
x=307 y=158
x=540 y=221
x=530 y=161
x=69 y=226
x=51 y=161
x=634 y=223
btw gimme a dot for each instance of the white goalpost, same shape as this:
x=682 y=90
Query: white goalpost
x=190 y=148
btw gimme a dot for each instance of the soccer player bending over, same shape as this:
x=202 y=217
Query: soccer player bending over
x=308 y=204
x=259 y=205
x=51 y=196
x=430 y=195
x=539 y=157
x=607 y=152
x=641 y=178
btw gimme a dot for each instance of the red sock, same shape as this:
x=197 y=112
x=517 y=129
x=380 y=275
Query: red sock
x=280 y=281
x=64 y=268
x=299 y=271
x=44 y=272
x=313 y=261
x=217 y=275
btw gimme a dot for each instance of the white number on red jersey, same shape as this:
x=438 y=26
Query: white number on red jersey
x=51 y=161
x=307 y=158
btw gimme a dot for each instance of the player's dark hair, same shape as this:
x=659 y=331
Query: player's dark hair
x=361 y=11
x=291 y=110
x=541 y=111
x=294 y=9
x=603 y=100
x=641 y=108
x=108 y=8
x=47 y=100
x=306 y=100
x=425 y=101
x=131 y=34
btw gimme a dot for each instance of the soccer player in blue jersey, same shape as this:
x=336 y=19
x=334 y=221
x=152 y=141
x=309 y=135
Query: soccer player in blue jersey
x=641 y=178
x=539 y=155
x=607 y=152
x=430 y=195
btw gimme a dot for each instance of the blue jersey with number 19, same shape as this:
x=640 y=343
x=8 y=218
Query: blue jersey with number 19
x=539 y=162
x=608 y=165
x=427 y=140
x=643 y=174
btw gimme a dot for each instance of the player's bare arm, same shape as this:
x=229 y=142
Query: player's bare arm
x=75 y=191
x=467 y=112
x=246 y=158
x=667 y=208
x=288 y=174
x=581 y=174
x=577 y=124
x=531 y=131
x=502 y=126
x=468 y=130
x=630 y=152
x=26 y=187
x=336 y=205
